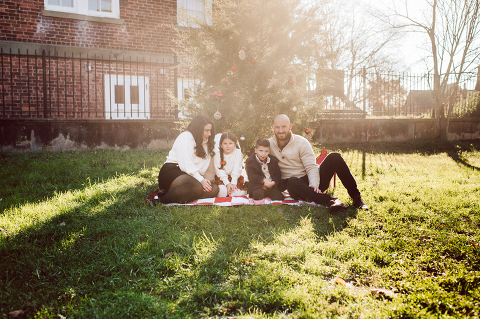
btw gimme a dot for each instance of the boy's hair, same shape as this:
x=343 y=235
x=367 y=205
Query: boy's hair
x=262 y=142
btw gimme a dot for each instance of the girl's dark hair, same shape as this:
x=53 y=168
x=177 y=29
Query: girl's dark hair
x=230 y=136
x=196 y=127
x=263 y=142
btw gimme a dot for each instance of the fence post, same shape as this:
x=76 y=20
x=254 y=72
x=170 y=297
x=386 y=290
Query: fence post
x=364 y=89
x=44 y=67
x=175 y=83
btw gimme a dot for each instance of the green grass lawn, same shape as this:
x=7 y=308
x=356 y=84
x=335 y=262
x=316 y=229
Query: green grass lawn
x=77 y=240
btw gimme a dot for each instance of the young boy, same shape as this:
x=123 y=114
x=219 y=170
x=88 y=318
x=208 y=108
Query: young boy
x=263 y=173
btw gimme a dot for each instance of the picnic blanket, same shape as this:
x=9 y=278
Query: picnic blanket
x=233 y=201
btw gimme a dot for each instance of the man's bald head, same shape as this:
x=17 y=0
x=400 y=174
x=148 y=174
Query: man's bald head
x=281 y=117
x=282 y=128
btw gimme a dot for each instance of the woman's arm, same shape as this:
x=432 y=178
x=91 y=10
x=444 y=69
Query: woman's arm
x=185 y=149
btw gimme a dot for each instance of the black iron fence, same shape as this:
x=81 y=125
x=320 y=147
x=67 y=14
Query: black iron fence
x=402 y=95
x=43 y=85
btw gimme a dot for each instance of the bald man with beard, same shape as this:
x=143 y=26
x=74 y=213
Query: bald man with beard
x=302 y=177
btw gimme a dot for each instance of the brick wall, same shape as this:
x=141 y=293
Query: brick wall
x=143 y=29
x=70 y=92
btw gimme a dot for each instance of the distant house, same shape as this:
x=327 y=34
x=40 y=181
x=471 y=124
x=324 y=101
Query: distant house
x=110 y=59
x=421 y=102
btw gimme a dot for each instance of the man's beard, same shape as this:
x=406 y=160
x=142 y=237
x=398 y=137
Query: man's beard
x=285 y=138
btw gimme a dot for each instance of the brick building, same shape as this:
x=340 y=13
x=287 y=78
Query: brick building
x=92 y=59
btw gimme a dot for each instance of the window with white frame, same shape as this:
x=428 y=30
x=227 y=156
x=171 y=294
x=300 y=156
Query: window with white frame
x=186 y=88
x=95 y=8
x=188 y=11
x=126 y=97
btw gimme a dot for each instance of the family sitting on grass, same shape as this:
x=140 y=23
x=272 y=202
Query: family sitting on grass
x=284 y=162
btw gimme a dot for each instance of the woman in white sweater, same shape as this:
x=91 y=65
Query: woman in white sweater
x=181 y=177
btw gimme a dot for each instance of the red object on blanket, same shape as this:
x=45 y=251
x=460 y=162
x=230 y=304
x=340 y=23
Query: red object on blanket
x=223 y=199
x=321 y=157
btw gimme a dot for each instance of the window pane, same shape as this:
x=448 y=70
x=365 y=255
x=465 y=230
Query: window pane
x=100 y=5
x=195 y=5
x=181 y=4
x=134 y=98
x=188 y=10
x=190 y=5
x=199 y=6
x=119 y=94
x=107 y=5
x=62 y=3
x=93 y=5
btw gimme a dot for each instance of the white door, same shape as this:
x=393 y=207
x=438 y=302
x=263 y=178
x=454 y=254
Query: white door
x=126 y=97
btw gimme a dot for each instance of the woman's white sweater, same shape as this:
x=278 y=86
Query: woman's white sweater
x=183 y=154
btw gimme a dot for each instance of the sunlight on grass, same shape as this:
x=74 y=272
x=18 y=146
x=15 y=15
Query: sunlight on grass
x=91 y=200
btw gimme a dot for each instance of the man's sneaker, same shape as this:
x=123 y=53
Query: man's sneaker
x=359 y=203
x=336 y=206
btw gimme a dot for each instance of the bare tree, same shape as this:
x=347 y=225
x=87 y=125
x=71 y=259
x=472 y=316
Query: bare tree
x=453 y=31
x=353 y=40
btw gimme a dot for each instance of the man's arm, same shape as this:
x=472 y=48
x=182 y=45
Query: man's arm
x=309 y=162
x=277 y=176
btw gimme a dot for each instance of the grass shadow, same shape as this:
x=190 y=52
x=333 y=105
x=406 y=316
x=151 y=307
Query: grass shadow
x=238 y=250
x=48 y=262
x=457 y=156
x=36 y=176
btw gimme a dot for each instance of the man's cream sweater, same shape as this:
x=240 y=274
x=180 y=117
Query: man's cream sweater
x=296 y=159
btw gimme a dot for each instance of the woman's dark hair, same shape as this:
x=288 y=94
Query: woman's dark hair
x=196 y=127
x=230 y=136
x=263 y=142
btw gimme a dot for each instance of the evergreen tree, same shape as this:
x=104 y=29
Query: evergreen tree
x=253 y=60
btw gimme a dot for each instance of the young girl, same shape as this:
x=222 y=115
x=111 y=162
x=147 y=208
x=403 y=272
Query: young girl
x=229 y=168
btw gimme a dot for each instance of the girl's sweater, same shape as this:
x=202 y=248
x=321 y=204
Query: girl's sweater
x=233 y=166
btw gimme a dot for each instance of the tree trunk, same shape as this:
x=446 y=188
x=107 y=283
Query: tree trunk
x=477 y=86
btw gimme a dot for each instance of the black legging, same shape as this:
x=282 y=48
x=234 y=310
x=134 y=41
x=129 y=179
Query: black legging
x=273 y=193
x=185 y=189
x=298 y=188
x=334 y=163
